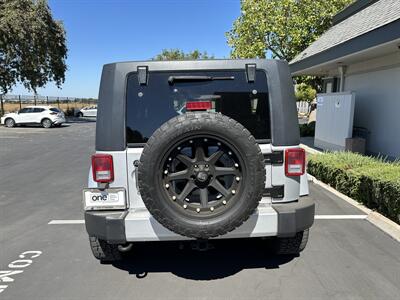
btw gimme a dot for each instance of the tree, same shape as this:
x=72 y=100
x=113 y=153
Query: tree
x=176 y=54
x=282 y=27
x=305 y=93
x=32 y=45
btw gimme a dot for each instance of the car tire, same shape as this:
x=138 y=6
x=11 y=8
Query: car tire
x=104 y=251
x=293 y=245
x=80 y=115
x=180 y=217
x=46 y=123
x=9 y=123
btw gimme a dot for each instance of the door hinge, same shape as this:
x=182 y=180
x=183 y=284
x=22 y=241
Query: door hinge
x=273 y=158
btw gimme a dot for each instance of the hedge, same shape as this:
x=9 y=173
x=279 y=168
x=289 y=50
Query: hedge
x=371 y=181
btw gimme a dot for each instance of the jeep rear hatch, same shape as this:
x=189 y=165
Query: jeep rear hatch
x=167 y=94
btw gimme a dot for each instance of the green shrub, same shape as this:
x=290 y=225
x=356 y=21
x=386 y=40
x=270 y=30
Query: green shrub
x=307 y=129
x=371 y=181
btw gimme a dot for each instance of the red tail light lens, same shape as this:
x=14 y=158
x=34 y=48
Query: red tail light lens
x=102 y=167
x=198 y=105
x=295 y=161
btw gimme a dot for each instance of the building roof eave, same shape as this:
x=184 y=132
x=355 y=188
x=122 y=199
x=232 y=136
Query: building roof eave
x=381 y=35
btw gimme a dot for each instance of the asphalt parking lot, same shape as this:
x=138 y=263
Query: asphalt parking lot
x=42 y=172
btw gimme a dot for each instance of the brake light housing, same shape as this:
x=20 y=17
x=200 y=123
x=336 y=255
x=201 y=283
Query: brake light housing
x=198 y=105
x=103 y=168
x=295 y=162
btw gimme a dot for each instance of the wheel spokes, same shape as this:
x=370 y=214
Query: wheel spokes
x=220 y=171
x=204 y=197
x=184 y=159
x=179 y=175
x=186 y=190
x=219 y=187
x=200 y=156
x=215 y=157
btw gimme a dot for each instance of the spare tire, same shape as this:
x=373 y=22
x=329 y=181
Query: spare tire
x=201 y=174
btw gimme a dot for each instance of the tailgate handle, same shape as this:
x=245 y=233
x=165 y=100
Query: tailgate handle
x=135 y=171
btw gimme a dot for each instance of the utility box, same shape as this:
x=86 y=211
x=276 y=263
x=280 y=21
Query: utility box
x=334 y=122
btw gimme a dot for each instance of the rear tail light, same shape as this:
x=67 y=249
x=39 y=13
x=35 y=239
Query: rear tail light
x=102 y=167
x=295 y=161
x=198 y=105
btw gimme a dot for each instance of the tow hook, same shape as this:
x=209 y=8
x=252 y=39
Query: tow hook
x=125 y=248
x=201 y=245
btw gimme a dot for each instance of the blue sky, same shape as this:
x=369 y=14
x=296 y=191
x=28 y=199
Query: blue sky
x=103 y=31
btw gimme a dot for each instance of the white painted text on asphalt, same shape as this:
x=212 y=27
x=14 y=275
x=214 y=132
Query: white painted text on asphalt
x=17 y=267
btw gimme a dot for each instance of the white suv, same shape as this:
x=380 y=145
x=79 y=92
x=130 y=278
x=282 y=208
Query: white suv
x=47 y=116
x=90 y=111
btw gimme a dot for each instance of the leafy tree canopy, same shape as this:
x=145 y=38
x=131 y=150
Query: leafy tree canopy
x=305 y=92
x=176 y=54
x=32 y=45
x=282 y=27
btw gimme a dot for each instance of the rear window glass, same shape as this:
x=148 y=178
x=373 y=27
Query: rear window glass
x=149 y=106
x=54 y=109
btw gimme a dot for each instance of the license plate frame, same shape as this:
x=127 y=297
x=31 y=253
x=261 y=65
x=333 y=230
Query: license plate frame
x=104 y=199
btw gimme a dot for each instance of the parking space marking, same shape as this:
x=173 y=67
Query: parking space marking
x=340 y=217
x=65 y=222
x=317 y=217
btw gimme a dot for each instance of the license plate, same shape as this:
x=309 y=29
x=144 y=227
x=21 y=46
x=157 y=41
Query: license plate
x=95 y=199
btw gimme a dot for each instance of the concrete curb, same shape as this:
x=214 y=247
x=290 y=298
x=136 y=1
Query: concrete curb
x=386 y=225
x=310 y=150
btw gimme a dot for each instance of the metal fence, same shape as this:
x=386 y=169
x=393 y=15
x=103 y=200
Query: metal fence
x=14 y=102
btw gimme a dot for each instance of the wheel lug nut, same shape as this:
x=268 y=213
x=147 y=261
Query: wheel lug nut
x=174 y=198
x=196 y=166
x=198 y=210
x=166 y=172
x=167 y=185
x=233 y=192
x=224 y=202
x=212 y=208
x=237 y=178
x=184 y=206
x=219 y=144
x=179 y=148
x=191 y=142
x=205 y=140
x=170 y=159
x=230 y=153
x=236 y=165
x=207 y=166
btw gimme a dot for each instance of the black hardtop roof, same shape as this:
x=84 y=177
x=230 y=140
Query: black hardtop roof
x=110 y=127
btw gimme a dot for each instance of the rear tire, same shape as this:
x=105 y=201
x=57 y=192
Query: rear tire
x=46 y=123
x=292 y=245
x=80 y=115
x=104 y=251
x=10 y=123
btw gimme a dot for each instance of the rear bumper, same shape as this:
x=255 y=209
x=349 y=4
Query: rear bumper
x=282 y=220
x=106 y=225
x=59 y=120
x=294 y=217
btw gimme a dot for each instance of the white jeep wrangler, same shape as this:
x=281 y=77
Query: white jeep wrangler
x=196 y=150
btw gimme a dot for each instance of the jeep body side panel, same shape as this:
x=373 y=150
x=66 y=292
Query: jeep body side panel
x=110 y=128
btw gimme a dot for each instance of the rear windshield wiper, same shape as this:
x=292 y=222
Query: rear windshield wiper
x=172 y=79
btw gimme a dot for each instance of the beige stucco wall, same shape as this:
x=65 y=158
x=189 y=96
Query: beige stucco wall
x=377 y=106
